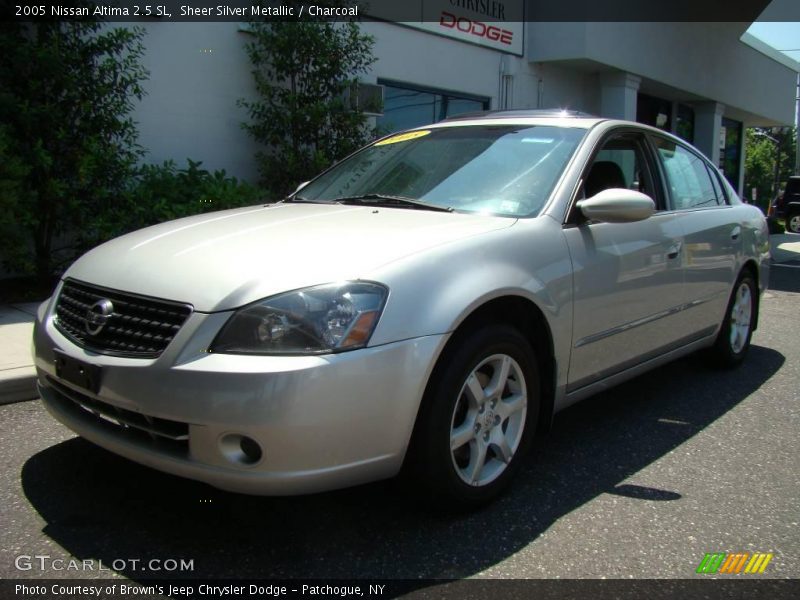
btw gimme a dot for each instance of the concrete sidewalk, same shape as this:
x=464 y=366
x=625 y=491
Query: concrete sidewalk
x=784 y=247
x=17 y=375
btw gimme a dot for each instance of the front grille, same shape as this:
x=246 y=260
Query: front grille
x=164 y=434
x=138 y=326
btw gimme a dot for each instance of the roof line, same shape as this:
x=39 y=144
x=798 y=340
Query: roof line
x=522 y=113
x=769 y=51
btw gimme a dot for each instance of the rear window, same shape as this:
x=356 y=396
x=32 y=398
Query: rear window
x=793 y=186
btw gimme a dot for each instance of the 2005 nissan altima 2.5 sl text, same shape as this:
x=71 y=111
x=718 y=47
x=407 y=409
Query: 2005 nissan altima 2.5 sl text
x=426 y=305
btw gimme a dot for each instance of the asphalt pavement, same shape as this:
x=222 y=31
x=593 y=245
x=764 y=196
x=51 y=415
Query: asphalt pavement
x=638 y=482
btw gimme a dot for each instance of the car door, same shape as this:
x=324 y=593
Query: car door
x=712 y=234
x=628 y=278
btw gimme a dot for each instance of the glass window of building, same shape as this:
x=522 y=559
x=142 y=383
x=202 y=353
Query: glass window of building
x=408 y=106
x=653 y=111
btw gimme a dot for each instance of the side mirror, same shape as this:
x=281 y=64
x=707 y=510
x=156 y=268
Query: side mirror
x=617 y=205
x=300 y=187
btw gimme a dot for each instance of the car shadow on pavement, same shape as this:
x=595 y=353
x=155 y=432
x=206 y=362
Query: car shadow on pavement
x=97 y=505
x=785 y=277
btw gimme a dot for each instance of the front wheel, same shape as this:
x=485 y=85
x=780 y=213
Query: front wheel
x=733 y=340
x=478 y=418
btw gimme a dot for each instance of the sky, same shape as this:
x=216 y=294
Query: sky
x=783 y=36
x=779 y=26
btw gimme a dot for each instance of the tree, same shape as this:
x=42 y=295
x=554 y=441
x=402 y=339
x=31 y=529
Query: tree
x=761 y=154
x=12 y=174
x=66 y=93
x=303 y=72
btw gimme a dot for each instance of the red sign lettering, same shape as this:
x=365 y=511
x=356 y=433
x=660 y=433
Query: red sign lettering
x=476 y=28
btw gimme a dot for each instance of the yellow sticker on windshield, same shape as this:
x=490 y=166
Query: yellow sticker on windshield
x=403 y=137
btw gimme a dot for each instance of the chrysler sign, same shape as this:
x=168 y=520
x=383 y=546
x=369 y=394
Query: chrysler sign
x=497 y=24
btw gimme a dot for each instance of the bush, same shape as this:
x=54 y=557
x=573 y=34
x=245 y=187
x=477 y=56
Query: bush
x=67 y=90
x=14 y=219
x=163 y=192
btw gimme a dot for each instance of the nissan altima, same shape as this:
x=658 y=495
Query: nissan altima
x=427 y=305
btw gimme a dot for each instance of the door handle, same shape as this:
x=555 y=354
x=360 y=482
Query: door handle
x=674 y=251
x=735 y=233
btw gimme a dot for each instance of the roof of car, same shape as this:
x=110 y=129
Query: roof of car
x=524 y=113
x=557 y=117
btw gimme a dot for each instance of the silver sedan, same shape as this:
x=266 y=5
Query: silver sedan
x=427 y=305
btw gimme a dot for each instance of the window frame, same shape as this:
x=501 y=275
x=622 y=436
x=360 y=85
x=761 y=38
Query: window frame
x=573 y=217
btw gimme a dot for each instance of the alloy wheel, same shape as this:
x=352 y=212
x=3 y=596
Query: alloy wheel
x=488 y=420
x=741 y=317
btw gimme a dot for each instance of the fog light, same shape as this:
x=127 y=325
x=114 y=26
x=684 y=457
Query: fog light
x=250 y=449
x=240 y=449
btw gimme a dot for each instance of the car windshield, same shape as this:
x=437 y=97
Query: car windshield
x=495 y=169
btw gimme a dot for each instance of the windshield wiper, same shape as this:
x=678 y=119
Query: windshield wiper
x=390 y=201
x=301 y=200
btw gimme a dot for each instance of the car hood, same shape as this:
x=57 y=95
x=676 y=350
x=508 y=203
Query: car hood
x=218 y=261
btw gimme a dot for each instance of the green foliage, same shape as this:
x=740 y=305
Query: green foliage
x=303 y=71
x=12 y=176
x=163 y=192
x=761 y=152
x=66 y=93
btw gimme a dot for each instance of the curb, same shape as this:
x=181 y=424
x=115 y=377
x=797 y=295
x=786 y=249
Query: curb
x=18 y=385
x=17 y=373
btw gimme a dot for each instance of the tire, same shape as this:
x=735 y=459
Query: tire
x=734 y=336
x=471 y=433
x=793 y=222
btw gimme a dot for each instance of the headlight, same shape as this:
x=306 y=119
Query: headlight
x=325 y=318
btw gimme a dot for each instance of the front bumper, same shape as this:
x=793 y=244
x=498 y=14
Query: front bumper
x=321 y=422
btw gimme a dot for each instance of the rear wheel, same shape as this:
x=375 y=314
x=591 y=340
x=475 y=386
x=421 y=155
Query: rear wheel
x=733 y=340
x=793 y=223
x=478 y=418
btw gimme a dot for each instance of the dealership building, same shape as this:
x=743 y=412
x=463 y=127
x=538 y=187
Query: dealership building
x=703 y=81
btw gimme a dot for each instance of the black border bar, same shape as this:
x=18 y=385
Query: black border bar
x=744 y=11
x=726 y=588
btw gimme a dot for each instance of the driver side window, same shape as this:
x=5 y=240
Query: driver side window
x=619 y=164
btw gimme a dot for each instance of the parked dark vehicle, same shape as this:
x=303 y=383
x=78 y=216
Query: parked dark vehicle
x=787 y=205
